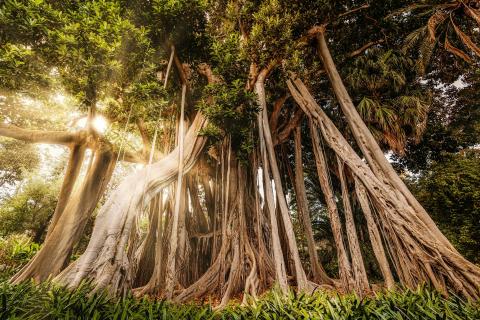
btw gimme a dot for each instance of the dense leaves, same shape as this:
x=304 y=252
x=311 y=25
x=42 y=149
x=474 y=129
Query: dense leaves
x=450 y=191
x=30 y=209
x=16 y=160
x=27 y=301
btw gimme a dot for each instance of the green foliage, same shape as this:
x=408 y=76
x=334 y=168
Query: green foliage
x=30 y=209
x=19 y=66
x=24 y=25
x=453 y=125
x=182 y=22
x=232 y=112
x=92 y=47
x=450 y=192
x=392 y=105
x=229 y=59
x=271 y=32
x=16 y=159
x=16 y=250
x=45 y=301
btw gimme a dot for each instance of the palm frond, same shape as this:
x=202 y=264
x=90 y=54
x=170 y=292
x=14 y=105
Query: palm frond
x=426 y=51
x=413 y=38
x=467 y=41
x=473 y=13
x=459 y=53
x=437 y=18
x=408 y=9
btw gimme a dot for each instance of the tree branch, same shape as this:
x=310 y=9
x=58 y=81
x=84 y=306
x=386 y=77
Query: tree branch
x=289 y=127
x=364 y=47
x=205 y=70
x=365 y=6
x=276 y=112
x=39 y=136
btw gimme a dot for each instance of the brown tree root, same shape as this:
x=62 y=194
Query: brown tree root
x=419 y=254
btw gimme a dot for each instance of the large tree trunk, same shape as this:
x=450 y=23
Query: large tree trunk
x=264 y=130
x=279 y=262
x=105 y=260
x=344 y=268
x=179 y=198
x=147 y=250
x=56 y=249
x=361 y=280
x=374 y=234
x=73 y=169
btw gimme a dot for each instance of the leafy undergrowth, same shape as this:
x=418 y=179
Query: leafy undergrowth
x=29 y=301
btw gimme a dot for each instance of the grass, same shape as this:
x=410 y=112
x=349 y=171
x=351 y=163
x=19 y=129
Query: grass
x=30 y=301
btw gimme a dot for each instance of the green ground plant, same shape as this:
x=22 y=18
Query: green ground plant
x=45 y=301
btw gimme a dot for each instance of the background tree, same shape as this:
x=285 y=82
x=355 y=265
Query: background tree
x=16 y=160
x=30 y=209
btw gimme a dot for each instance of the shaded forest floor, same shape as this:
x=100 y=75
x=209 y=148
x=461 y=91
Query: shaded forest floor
x=28 y=301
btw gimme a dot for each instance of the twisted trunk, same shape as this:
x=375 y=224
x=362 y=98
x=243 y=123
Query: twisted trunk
x=56 y=249
x=105 y=260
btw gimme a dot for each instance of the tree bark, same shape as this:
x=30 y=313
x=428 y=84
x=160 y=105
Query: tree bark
x=344 y=268
x=419 y=255
x=301 y=278
x=374 y=234
x=319 y=274
x=77 y=154
x=170 y=275
x=56 y=249
x=367 y=143
x=361 y=280
x=105 y=260
x=38 y=136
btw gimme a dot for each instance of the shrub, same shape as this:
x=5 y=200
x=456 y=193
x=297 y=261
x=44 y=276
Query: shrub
x=16 y=250
x=46 y=301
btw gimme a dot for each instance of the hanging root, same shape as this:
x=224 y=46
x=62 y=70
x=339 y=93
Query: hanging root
x=105 y=261
x=419 y=254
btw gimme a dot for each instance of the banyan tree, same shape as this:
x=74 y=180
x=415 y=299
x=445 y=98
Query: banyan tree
x=227 y=96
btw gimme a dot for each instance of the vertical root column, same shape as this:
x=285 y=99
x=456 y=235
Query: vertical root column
x=418 y=254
